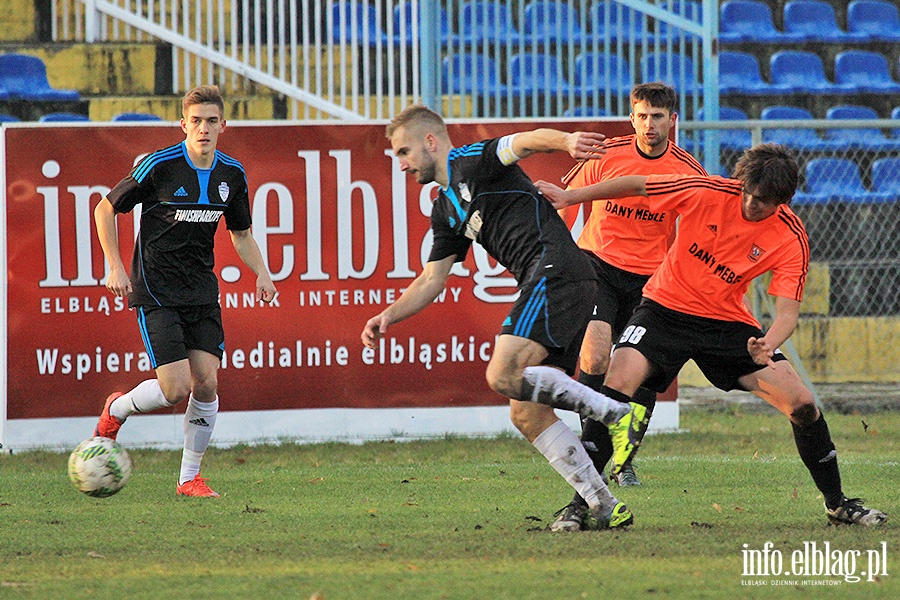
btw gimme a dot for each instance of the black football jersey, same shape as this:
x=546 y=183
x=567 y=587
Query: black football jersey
x=498 y=206
x=181 y=207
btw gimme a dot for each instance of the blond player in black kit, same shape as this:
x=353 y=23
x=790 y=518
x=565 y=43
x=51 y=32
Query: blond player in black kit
x=486 y=197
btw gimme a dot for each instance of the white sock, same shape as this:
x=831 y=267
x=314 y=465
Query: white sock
x=562 y=448
x=146 y=397
x=552 y=387
x=199 y=421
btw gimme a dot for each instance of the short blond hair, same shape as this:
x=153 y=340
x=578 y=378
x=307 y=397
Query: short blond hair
x=204 y=94
x=417 y=115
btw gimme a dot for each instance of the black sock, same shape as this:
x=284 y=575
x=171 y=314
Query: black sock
x=645 y=397
x=818 y=454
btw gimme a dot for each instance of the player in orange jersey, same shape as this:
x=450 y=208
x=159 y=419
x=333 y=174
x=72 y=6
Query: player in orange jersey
x=731 y=231
x=625 y=246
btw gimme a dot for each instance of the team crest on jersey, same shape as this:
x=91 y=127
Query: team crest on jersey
x=755 y=253
x=223 y=191
x=465 y=193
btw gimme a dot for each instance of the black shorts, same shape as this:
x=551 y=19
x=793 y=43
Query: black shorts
x=169 y=332
x=618 y=295
x=669 y=338
x=555 y=314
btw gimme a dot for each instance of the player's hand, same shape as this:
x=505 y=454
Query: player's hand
x=760 y=351
x=584 y=145
x=555 y=194
x=375 y=328
x=118 y=283
x=265 y=289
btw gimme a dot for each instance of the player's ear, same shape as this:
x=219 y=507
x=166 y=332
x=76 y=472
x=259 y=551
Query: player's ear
x=431 y=142
x=184 y=125
x=222 y=126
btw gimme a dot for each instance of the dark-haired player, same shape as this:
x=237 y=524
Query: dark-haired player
x=731 y=231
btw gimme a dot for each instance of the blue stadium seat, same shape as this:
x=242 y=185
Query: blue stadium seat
x=356 y=22
x=618 y=22
x=895 y=114
x=730 y=139
x=868 y=71
x=133 y=116
x=4 y=118
x=832 y=180
x=486 y=20
x=551 y=21
x=63 y=117
x=690 y=10
x=25 y=77
x=886 y=176
x=403 y=17
x=471 y=74
x=879 y=20
x=584 y=111
x=743 y=21
x=816 y=21
x=597 y=72
x=864 y=138
x=674 y=69
x=802 y=72
x=739 y=74
x=536 y=72
x=803 y=138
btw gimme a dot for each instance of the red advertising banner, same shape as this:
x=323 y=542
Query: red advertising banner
x=344 y=231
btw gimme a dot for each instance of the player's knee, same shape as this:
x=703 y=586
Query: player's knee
x=176 y=392
x=594 y=364
x=806 y=414
x=503 y=384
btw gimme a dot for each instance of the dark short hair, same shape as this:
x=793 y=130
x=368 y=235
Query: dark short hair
x=204 y=94
x=657 y=94
x=770 y=171
x=419 y=115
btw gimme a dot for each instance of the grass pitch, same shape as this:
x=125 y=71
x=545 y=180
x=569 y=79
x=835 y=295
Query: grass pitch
x=453 y=518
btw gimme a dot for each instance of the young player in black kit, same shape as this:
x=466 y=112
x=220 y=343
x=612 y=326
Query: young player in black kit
x=486 y=197
x=184 y=191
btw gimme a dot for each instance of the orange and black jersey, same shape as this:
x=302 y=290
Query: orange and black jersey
x=717 y=253
x=181 y=207
x=628 y=233
x=495 y=203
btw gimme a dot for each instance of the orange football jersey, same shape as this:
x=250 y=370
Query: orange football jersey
x=717 y=253
x=627 y=233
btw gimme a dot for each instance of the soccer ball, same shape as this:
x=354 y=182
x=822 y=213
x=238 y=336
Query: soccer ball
x=99 y=467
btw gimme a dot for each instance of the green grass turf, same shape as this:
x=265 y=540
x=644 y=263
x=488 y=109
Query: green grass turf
x=450 y=518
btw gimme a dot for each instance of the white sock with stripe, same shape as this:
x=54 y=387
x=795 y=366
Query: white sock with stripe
x=146 y=397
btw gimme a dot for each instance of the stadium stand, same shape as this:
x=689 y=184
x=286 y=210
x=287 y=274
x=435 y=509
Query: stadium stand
x=584 y=111
x=595 y=73
x=552 y=21
x=5 y=118
x=803 y=72
x=133 y=116
x=879 y=20
x=24 y=77
x=471 y=74
x=730 y=139
x=63 y=117
x=689 y=10
x=356 y=23
x=534 y=71
x=867 y=139
x=831 y=179
x=739 y=73
x=815 y=21
x=675 y=69
x=613 y=21
x=867 y=71
x=486 y=21
x=750 y=21
x=403 y=19
x=799 y=139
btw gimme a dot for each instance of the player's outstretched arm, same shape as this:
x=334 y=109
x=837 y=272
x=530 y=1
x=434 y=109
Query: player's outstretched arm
x=618 y=187
x=787 y=313
x=581 y=145
x=248 y=250
x=118 y=281
x=420 y=293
